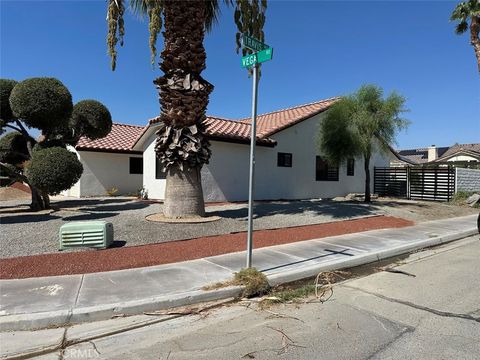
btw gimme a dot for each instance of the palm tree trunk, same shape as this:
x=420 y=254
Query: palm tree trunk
x=181 y=144
x=183 y=194
x=474 y=37
x=367 y=178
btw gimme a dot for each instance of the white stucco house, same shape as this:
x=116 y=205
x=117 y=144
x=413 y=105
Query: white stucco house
x=288 y=165
x=109 y=163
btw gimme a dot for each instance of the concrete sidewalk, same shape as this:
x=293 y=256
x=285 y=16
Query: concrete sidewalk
x=52 y=301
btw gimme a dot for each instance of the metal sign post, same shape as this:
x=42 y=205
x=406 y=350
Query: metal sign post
x=251 y=179
x=263 y=53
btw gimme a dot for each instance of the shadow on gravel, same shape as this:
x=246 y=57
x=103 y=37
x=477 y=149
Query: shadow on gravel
x=89 y=216
x=330 y=208
x=118 y=244
x=66 y=204
x=127 y=206
x=20 y=219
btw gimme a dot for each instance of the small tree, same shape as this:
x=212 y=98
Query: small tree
x=359 y=124
x=464 y=12
x=45 y=104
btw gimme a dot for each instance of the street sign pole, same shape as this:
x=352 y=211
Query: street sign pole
x=252 y=167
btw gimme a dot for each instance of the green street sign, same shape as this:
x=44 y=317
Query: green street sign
x=257 y=58
x=252 y=43
x=264 y=55
x=249 y=60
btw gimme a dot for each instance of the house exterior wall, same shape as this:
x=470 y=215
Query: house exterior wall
x=463 y=158
x=103 y=171
x=467 y=180
x=225 y=178
x=74 y=191
x=155 y=187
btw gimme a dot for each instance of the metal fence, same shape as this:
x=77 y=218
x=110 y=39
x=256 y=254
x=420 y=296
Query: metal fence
x=420 y=183
x=390 y=181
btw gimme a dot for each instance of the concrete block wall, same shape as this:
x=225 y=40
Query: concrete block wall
x=467 y=180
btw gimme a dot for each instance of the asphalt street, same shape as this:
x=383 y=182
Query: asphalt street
x=432 y=315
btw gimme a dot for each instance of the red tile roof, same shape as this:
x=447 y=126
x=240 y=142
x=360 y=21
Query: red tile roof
x=267 y=124
x=120 y=139
x=219 y=128
x=271 y=123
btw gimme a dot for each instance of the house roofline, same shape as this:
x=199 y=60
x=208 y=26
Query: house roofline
x=111 y=151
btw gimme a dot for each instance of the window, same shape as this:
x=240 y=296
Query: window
x=284 y=159
x=324 y=171
x=159 y=174
x=350 y=167
x=136 y=165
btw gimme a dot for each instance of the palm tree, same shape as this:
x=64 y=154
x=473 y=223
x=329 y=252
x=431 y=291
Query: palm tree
x=359 y=124
x=465 y=11
x=181 y=144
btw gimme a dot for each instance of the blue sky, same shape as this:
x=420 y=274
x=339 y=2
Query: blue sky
x=321 y=49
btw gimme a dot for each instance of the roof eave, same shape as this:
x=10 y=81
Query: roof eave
x=299 y=120
x=112 y=151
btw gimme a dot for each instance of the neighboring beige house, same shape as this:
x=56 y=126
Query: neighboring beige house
x=458 y=153
x=109 y=163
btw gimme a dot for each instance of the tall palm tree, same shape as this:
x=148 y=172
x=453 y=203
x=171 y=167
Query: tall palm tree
x=464 y=12
x=181 y=144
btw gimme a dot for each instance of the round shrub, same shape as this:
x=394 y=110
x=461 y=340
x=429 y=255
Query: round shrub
x=53 y=170
x=42 y=103
x=13 y=148
x=91 y=119
x=6 y=87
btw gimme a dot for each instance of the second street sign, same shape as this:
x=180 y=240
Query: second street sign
x=252 y=43
x=257 y=58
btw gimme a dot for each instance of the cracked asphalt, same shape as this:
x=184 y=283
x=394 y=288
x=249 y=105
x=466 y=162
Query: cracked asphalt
x=384 y=315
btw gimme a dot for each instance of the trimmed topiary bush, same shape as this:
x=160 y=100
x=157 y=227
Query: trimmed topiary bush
x=6 y=87
x=13 y=149
x=92 y=119
x=53 y=170
x=42 y=103
x=46 y=104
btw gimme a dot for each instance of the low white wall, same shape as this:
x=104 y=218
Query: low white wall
x=225 y=178
x=103 y=171
x=155 y=187
x=74 y=191
x=467 y=180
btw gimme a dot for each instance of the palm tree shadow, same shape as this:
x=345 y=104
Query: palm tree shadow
x=90 y=216
x=334 y=209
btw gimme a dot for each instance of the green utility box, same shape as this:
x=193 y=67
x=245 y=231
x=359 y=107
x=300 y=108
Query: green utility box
x=96 y=234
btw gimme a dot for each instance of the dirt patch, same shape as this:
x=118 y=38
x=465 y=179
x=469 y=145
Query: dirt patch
x=11 y=193
x=90 y=261
x=419 y=211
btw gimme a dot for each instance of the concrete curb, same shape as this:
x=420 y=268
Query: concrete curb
x=102 y=312
x=310 y=271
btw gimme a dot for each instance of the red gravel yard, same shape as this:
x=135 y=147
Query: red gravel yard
x=168 y=252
